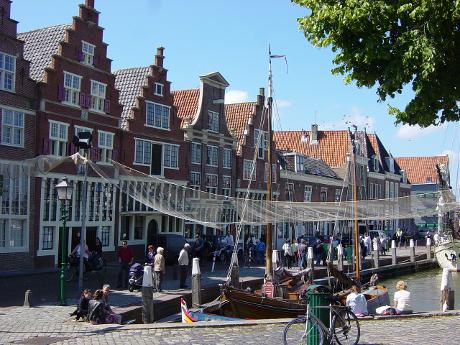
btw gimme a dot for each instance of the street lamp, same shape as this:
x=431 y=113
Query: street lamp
x=64 y=191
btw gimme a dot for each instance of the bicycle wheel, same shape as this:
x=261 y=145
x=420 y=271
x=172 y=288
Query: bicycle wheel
x=297 y=333
x=69 y=273
x=345 y=326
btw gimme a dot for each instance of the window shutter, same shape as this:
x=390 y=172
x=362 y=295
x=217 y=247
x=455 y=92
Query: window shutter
x=61 y=93
x=96 y=154
x=80 y=55
x=46 y=146
x=107 y=105
x=83 y=99
x=88 y=101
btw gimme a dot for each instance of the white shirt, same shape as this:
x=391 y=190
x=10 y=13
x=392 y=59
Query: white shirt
x=287 y=249
x=367 y=241
x=229 y=239
x=402 y=299
x=183 y=258
x=446 y=279
x=357 y=303
x=85 y=254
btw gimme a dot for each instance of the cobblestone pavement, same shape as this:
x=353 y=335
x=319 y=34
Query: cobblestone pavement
x=51 y=325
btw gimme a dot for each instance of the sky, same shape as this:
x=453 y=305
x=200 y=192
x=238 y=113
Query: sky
x=232 y=37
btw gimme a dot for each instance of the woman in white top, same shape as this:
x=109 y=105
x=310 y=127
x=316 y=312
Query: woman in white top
x=401 y=299
x=357 y=302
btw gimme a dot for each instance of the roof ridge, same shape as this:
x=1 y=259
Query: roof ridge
x=414 y=157
x=183 y=90
x=129 y=68
x=41 y=29
x=236 y=103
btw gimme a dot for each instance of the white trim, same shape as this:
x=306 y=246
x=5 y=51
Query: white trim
x=85 y=129
x=155 y=89
x=8 y=107
x=392 y=176
x=375 y=175
x=207 y=155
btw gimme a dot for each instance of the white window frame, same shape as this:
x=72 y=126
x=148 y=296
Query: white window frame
x=157 y=120
x=226 y=190
x=337 y=194
x=57 y=141
x=7 y=75
x=212 y=189
x=196 y=153
x=88 y=50
x=146 y=157
x=171 y=161
x=156 y=87
x=7 y=232
x=212 y=157
x=227 y=159
x=307 y=193
x=247 y=168
x=72 y=91
x=213 y=121
x=263 y=144
x=371 y=190
x=106 y=150
x=323 y=190
x=290 y=191
x=195 y=186
x=98 y=96
x=13 y=127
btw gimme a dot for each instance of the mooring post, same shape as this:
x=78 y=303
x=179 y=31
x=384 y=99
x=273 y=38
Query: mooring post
x=412 y=250
x=394 y=258
x=196 y=283
x=340 y=257
x=275 y=260
x=28 y=299
x=376 y=255
x=147 y=295
x=428 y=248
x=311 y=262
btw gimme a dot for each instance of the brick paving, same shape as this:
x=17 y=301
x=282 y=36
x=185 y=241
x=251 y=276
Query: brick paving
x=51 y=325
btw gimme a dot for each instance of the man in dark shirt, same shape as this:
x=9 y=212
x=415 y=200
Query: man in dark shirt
x=125 y=259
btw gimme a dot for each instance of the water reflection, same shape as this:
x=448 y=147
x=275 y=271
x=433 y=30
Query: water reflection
x=424 y=288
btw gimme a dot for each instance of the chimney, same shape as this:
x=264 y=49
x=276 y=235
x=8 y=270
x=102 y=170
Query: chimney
x=88 y=13
x=159 y=57
x=261 y=96
x=89 y=3
x=314 y=132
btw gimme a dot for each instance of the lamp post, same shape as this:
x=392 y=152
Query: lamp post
x=64 y=191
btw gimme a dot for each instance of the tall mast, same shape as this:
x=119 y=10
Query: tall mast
x=355 y=207
x=269 y=235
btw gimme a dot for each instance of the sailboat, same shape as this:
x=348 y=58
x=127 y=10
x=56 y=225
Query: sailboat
x=447 y=247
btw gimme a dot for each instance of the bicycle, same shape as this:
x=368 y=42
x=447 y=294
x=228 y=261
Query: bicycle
x=343 y=330
x=72 y=267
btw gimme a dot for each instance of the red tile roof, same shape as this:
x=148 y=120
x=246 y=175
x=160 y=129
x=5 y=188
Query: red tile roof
x=332 y=146
x=186 y=102
x=420 y=170
x=237 y=116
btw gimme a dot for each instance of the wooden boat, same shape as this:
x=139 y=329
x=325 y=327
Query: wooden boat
x=192 y=316
x=446 y=252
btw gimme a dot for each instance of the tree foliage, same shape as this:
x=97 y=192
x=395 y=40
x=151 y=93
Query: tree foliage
x=391 y=43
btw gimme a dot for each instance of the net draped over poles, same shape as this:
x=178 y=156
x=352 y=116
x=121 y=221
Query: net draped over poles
x=218 y=211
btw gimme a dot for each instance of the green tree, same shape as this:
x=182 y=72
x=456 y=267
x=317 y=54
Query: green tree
x=392 y=43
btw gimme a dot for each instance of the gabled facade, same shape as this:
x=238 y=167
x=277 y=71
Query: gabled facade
x=209 y=146
x=153 y=144
x=17 y=143
x=76 y=94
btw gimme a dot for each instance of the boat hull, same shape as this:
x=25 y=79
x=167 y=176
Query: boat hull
x=445 y=251
x=377 y=296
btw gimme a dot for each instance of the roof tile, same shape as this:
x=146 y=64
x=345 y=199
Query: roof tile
x=237 y=116
x=186 y=102
x=129 y=82
x=421 y=170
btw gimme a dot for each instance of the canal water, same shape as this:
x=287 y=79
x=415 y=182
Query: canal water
x=424 y=289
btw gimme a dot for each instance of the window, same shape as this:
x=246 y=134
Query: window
x=213 y=121
x=371 y=191
x=171 y=156
x=323 y=194
x=7 y=72
x=211 y=183
x=226 y=185
x=195 y=183
x=157 y=115
x=58 y=138
x=376 y=163
x=290 y=192
x=266 y=172
x=78 y=130
x=338 y=194
x=138 y=227
x=105 y=236
x=72 y=83
x=429 y=179
x=260 y=142
x=376 y=191
x=3 y=231
x=88 y=52
x=105 y=141
x=12 y=127
x=158 y=89
x=98 y=96
x=227 y=158
x=213 y=156
x=12 y=233
x=273 y=173
x=247 y=170
x=143 y=154
x=307 y=193
x=48 y=238
x=196 y=153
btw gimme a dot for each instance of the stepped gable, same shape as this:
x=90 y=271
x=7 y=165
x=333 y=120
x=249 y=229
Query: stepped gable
x=40 y=45
x=332 y=146
x=237 y=116
x=129 y=82
x=420 y=170
x=186 y=102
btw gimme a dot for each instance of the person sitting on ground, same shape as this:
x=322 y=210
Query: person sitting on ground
x=96 y=311
x=110 y=315
x=357 y=302
x=150 y=255
x=401 y=299
x=82 y=306
x=159 y=268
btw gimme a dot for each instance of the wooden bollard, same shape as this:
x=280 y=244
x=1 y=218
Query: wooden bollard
x=394 y=258
x=428 y=248
x=412 y=250
x=340 y=257
x=147 y=296
x=28 y=299
x=311 y=262
x=196 y=283
x=376 y=255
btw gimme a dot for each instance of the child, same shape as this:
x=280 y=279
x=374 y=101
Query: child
x=82 y=307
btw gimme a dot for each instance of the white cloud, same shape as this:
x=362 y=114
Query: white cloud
x=453 y=155
x=283 y=103
x=411 y=132
x=354 y=118
x=236 y=96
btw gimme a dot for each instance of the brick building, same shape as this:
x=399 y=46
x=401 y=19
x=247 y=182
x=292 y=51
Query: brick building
x=17 y=142
x=76 y=92
x=154 y=143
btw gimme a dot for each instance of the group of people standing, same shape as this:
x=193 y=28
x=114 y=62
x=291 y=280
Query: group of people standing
x=295 y=252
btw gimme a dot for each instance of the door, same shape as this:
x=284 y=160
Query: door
x=152 y=232
x=155 y=168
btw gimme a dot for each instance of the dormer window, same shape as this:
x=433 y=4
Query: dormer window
x=87 y=50
x=158 y=89
x=375 y=162
x=429 y=179
x=391 y=164
x=404 y=176
x=213 y=121
x=7 y=72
